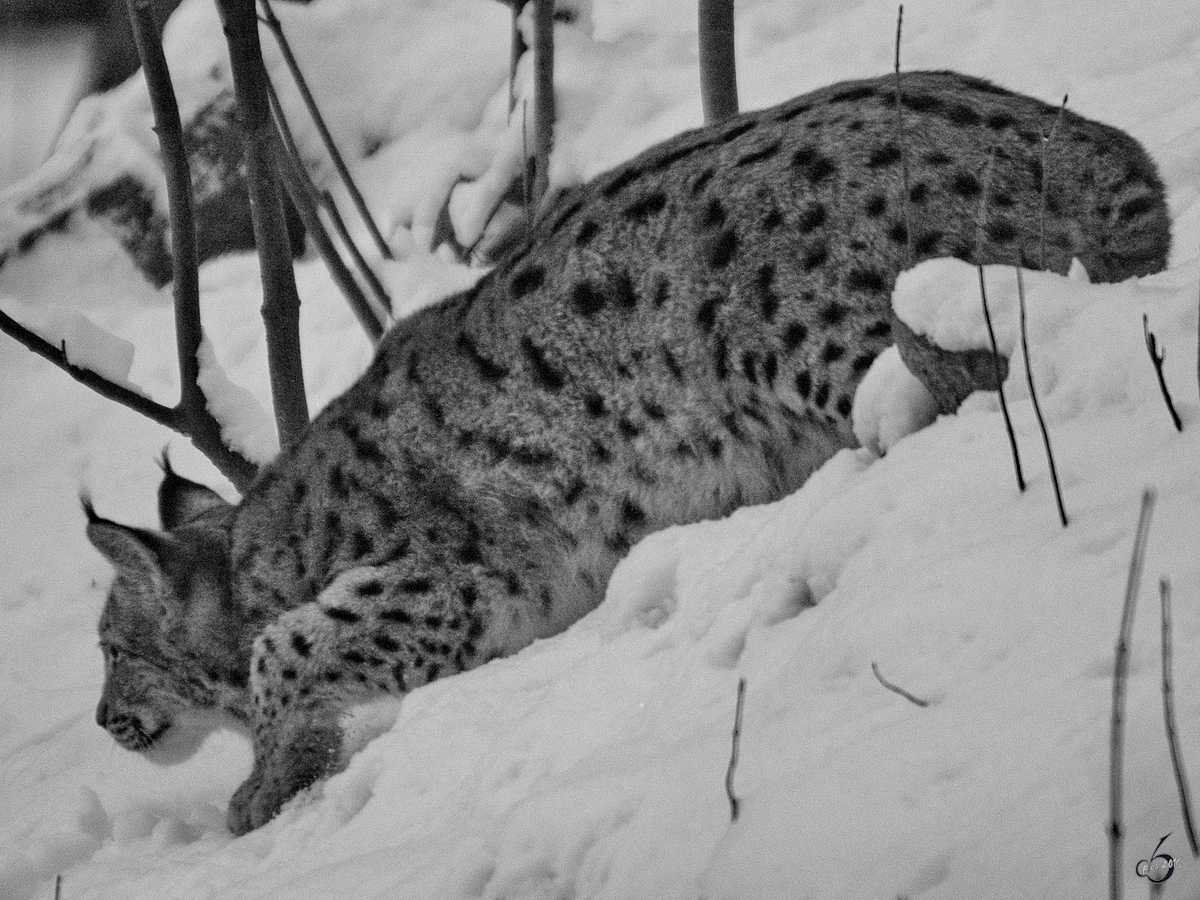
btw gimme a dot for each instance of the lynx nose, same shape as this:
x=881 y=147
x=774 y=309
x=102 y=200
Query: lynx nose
x=102 y=714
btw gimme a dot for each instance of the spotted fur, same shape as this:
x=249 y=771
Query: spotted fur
x=683 y=335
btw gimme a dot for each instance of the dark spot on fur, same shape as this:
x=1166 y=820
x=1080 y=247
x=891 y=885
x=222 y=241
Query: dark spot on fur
x=287 y=673
x=600 y=452
x=712 y=215
x=354 y=657
x=792 y=111
x=898 y=233
x=644 y=207
x=887 y=155
x=814 y=164
x=488 y=369
x=879 y=328
x=1137 y=206
x=773 y=219
x=706 y=315
x=623 y=291
x=861 y=363
x=921 y=102
x=813 y=217
x=416 y=585
x=545 y=374
x=699 y=182
x=770 y=367
x=632 y=514
x=653 y=410
x=793 y=335
x=965 y=184
x=720 y=359
x=767 y=298
x=671 y=362
x=803 y=383
x=587 y=230
x=587 y=299
x=927 y=242
x=963 y=115
x=1001 y=230
x=574 y=491
x=662 y=291
x=765 y=152
x=863 y=279
x=918 y=192
x=815 y=257
x=527 y=279
x=396 y=614
x=620 y=180
x=852 y=93
x=821 y=394
x=722 y=248
x=938 y=158
x=833 y=352
x=738 y=129
x=628 y=429
x=876 y=206
x=594 y=404
x=339 y=614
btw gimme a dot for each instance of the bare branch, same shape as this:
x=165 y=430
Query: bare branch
x=1120 y=676
x=1037 y=407
x=543 y=95
x=895 y=688
x=281 y=302
x=734 y=803
x=718 y=62
x=303 y=194
x=1158 y=358
x=380 y=293
x=1164 y=592
x=339 y=163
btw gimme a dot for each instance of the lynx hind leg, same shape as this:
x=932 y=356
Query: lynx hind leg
x=371 y=632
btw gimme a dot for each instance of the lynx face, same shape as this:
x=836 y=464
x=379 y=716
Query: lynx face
x=166 y=632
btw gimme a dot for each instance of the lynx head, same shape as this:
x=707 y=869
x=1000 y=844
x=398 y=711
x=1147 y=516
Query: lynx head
x=170 y=632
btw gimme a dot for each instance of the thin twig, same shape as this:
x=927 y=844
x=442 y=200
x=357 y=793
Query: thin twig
x=1164 y=592
x=896 y=688
x=543 y=95
x=734 y=803
x=339 y=225
x=1158 y=358
x=981 y=229
x=718 y=65
x=1120 y=675
x=526 y=183
x=276 y=28
x=1037 y=408
x=1046 y=139
x=58 y=886
x=903 y=144
x=1008 y=425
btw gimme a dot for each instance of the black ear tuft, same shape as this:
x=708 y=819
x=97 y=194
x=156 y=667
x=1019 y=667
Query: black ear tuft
x=181 y=501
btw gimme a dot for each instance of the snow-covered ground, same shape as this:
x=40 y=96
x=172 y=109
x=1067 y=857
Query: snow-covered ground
x=592 y=765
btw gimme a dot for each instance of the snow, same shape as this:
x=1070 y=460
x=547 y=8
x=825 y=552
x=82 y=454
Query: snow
x=592 y=765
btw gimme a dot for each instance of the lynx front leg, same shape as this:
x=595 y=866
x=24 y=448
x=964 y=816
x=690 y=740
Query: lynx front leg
x=369 y=633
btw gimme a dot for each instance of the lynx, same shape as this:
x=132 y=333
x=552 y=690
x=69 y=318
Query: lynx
x=683 y=335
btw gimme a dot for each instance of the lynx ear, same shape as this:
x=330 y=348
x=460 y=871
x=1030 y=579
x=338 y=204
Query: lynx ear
x=180 y=501
x=128 y=549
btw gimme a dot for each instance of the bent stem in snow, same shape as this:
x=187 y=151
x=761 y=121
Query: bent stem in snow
x=1037 y=407
x=734 y=804
x=896 y=689
x=718 y=64
x=339 y=163
x=1158 y=358
x=1120 y=675
x=1185 y=804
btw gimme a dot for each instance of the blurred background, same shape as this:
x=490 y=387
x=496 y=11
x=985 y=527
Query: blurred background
x=52 y=52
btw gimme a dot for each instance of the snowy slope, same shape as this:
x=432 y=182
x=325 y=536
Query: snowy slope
x=592 y=765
